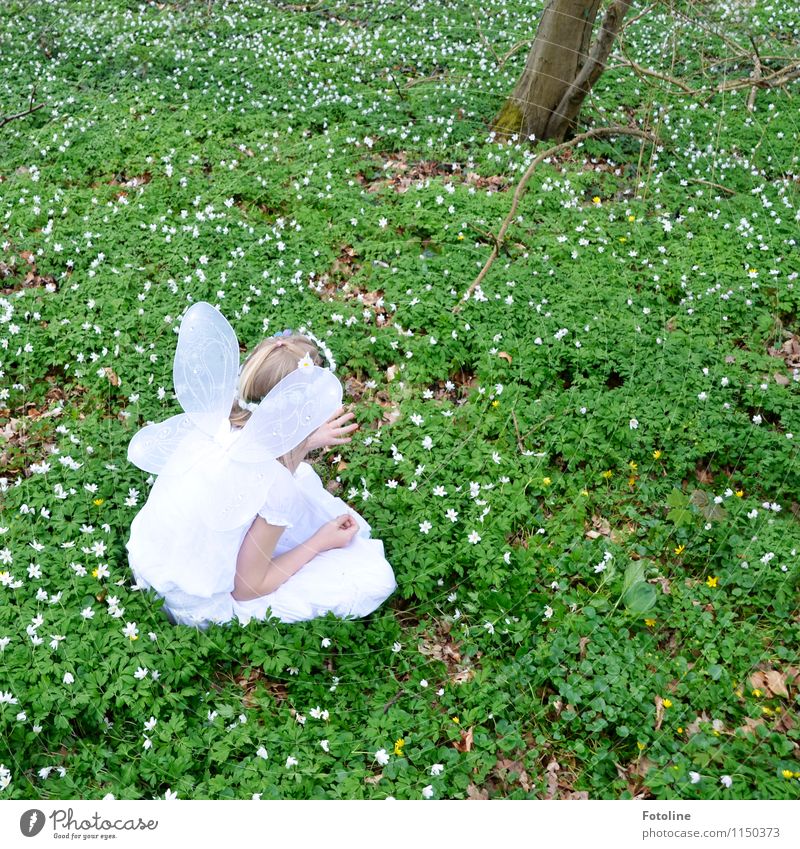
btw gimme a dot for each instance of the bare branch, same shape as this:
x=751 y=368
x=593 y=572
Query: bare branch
x=648 y=72
x=519 y=191
x=9 y=118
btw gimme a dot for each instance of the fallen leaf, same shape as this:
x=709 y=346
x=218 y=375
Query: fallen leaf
x=582 y=643
x=112 y=376
x=552 y=778
x=582 y=795
x=750 y=724
x=781 y=379
x=507 y=357
x=373 y=779
x=777 y=682
x=477 y=793
x=659 y=712
x=465 y=744
x=517 y=767
x=694 y=726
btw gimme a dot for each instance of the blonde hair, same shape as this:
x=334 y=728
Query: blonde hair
x=269 y=362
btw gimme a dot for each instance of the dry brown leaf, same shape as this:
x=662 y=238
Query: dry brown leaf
x=477 y=794
x=465 y=743
x=341 y=466
x=517 y=767
x=582 y=795
x=777 y=682
x=505 y=356
x=663 y=582
x=391 y=372
x=582 y=643
x=694 y=726
x=750 y=724
x=373 y=779
x=659 y=712
x=781 y=379
x=785 y=722
x=463 y=675
x=552 y=778
x=111 y=375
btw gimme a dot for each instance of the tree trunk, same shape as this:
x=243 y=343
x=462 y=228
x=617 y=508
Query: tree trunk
x=561 y=69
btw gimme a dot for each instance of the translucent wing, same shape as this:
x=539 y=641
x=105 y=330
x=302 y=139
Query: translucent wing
x=153 y=446
x=305 y=399
x=206 y=366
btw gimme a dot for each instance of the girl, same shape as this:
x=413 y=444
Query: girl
x=231 y=528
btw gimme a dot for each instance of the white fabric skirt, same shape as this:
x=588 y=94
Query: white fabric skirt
x=348 y=582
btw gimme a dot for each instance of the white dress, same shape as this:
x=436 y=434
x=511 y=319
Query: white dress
x=168 y=540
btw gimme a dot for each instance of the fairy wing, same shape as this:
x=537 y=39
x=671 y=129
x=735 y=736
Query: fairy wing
x=155 y=444
x=238 y=480
x=300 y=403
x=206 y=366
x=204 y=375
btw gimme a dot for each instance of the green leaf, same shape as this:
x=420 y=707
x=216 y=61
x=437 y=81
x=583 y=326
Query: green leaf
x=640 y=598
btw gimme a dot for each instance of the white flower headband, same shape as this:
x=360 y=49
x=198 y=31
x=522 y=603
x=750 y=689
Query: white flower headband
x=304 y=362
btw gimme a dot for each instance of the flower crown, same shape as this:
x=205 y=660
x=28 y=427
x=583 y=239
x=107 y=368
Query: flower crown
x=304 y=362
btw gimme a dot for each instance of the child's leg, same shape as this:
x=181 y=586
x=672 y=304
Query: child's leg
x=348 y=582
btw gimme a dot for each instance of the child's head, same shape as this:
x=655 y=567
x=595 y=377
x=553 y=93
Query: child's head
x=270 y=361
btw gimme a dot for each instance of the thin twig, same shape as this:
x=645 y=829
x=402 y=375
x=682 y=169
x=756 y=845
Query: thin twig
x=9 y=118
x=757 y=74
x=485 y=40
x=647 y=72
x=713 y=185
x=521 y=439
x=519 y=191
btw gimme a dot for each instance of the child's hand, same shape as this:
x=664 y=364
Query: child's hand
x=333 y=432
x=336 y=533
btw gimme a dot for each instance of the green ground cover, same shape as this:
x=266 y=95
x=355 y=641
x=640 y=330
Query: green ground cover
x=585 y=479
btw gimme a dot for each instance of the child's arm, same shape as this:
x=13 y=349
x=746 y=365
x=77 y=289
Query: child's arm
x=259 y=573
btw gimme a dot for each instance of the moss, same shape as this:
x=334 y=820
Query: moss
x=508 y=120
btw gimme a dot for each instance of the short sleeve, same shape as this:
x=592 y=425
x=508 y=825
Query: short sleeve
x=282 y=503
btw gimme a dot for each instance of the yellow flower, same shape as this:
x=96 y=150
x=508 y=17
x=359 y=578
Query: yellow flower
x=622 y=239
x=712 y=582
x=641 y=746
x=787 y=773
x=767 y=710
x=97 y=502
x=456 y=720
x=606 y=474
x=595 y=199
x=460 y=237
x=657 y=454
x=631 y=480
x=757 y=693
x=633 y=466
x=667 y=703
x=546 y=481
x=650 y=623
x=584 y=492
x=95 y=572
x=495 y=403
x=739 y=493
x=631 y=218
x=398 y=746
x=680 y=729
x=680 y=549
